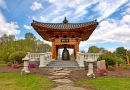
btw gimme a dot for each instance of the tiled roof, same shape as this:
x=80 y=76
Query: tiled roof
x=64 y=25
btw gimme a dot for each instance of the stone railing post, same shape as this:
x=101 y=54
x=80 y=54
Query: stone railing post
x=46 y=58
x=42 y=60
x=49 y=57
x=26 y=63
x=81 y=62
x=77 y=58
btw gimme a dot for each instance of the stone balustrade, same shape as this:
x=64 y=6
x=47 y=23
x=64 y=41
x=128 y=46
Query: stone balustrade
x=44 y=58
x=34 y=56
x=94 y=56
x=81 y=57
x=90 y=58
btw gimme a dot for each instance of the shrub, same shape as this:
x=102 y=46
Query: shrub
x=15 y=66
x=17 y=56
x=32 y=65
x=120 y=61
x=5 y=57
x=109 y=59
x=102 y=71
x=9 y=64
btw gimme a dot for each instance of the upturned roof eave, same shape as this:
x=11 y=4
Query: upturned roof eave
x=62 y=26
x=42 y=28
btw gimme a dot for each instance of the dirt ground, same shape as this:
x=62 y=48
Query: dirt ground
x=75 y=75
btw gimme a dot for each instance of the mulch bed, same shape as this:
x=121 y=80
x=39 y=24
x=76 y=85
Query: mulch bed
x=75 y=75
x=114 y=72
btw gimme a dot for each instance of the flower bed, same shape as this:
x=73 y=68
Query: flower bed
x=15 y=65
x=31 y=65
x=102 y=71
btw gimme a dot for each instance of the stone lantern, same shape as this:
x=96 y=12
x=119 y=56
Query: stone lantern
x=90 y=67
x=26 y=63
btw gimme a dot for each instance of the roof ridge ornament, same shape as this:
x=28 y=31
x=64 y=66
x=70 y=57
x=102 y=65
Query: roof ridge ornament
x=65 y=21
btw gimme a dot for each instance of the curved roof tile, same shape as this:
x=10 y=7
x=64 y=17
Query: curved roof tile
x=64 y=25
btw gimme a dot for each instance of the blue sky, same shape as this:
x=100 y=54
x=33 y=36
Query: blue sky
x=113 y=16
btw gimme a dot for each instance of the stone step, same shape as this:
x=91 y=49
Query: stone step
x=57 y=77
x=63 y=63
x=66 y=87
x=72 y=64
x=63 y=81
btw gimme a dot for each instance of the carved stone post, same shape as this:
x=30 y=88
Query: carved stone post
x=26 y=63
x=49 y=58
x=81 y=62
x=42 y=60
x=77 y=57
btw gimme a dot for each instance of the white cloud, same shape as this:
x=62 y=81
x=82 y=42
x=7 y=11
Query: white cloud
x=106 y=7
x=27 y=27
x=76 y=10
x=3 y=4
x=36 y=6
x=43 y=19
x=8 y=28
x=126 y=19
x=111 y=31
x=71 y=3
x=2 y=18
x=73 y=10
x=33 y=18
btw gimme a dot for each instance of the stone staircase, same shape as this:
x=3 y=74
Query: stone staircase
x=72 y=64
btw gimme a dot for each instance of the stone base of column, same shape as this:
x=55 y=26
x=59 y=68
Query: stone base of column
x=42 y=66
x=81 y=66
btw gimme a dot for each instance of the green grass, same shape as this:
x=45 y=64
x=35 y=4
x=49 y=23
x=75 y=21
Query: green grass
x=12 y=81
x=108 y=83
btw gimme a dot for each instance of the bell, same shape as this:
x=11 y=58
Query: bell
x=65 y=54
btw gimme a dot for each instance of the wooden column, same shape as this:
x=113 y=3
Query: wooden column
x=76 y=46
x=53 y=48
x=56 y=54
x=76 y=49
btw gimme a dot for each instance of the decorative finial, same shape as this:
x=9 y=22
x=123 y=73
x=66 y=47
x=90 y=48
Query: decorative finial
x=65 y=20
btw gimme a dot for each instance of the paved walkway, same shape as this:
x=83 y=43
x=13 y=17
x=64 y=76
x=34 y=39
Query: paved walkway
x=60 y=76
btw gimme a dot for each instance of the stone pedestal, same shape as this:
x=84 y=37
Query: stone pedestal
x=26 y=63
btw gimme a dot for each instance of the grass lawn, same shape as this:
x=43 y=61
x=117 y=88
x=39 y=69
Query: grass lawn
x=13 y=81
x=108 y=83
